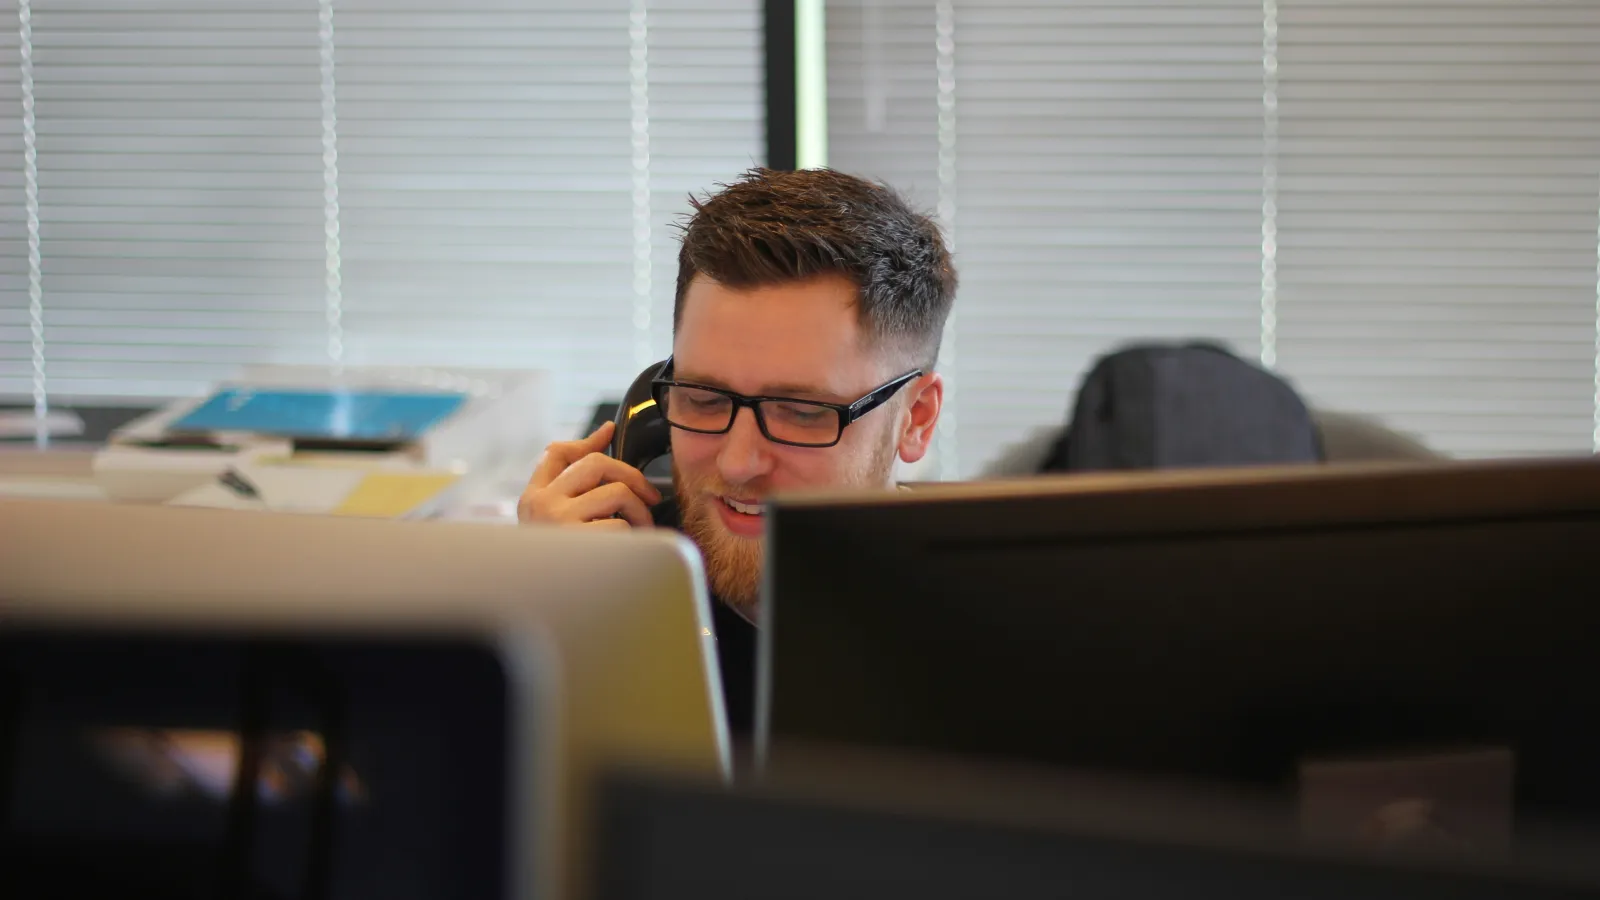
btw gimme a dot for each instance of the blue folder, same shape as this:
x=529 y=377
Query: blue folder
x=348 y=415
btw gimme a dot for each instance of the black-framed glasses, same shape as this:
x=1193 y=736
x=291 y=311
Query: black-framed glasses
x=783 y=420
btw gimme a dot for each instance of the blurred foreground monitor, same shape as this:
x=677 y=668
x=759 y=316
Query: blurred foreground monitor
x=847 y=826
x=124 y=756
x=209 y=703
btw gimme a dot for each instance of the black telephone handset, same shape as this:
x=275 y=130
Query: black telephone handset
x=642 y=435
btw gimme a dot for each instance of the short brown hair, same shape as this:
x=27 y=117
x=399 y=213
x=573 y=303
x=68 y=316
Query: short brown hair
x=772 y=227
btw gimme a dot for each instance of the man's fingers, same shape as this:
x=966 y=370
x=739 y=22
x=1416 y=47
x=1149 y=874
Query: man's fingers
x=597 y=469
x=600 y=438
x=615 y=498
x=576 y=483
x=608 y=525
x=562 y=454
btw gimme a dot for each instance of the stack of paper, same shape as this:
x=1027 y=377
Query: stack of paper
x=339 y=490
x=395 y=494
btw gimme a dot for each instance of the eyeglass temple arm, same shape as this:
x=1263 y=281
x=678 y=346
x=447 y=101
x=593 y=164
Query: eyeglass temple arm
x=875 y=399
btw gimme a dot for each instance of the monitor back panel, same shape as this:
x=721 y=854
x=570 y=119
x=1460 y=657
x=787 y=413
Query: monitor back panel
x=1237 y=629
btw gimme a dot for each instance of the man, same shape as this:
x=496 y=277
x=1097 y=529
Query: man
x=806 y=326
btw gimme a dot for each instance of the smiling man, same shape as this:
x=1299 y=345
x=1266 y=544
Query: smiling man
x=806 y=327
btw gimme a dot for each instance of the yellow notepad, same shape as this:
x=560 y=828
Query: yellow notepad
x=390 y=495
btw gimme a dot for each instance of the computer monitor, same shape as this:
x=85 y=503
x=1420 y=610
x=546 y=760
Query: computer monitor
x=897 y=827
x=1383 y=644
x=426 y=704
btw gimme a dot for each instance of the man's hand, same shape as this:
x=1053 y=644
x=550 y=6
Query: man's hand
x=576 y=483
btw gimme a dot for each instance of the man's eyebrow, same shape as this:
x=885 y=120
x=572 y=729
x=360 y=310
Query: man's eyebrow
x=778 y=389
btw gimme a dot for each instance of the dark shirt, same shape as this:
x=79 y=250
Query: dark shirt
x=736 y=645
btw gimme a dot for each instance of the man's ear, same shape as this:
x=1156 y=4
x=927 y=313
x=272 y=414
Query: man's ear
x=925 y=398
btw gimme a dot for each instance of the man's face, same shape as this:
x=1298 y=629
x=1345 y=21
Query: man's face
x=801 y=340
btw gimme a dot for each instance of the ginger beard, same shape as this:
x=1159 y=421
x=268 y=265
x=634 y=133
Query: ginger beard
x=733 y=562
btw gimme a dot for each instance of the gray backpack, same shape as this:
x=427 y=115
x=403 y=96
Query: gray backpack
x=1157 y=406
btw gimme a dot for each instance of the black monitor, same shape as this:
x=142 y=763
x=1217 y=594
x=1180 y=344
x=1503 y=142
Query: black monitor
x=1380 y=644
x=173 y=764
x=866 y=831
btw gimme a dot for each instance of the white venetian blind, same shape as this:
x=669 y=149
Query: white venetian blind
x=489 y=183
x=16 y=333
x=1396 y=201
x=707 y=124
x=1440 y=186
x=1106 y=184
x=485 y=187
x=180 y=188
x=883 y=117
x=491 y=159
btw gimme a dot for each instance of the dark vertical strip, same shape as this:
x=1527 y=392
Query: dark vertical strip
x=324 y=809
x=239 y=842
x=782 y=105
x=10 y=741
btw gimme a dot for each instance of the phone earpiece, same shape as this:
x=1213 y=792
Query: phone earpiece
x=642 y=435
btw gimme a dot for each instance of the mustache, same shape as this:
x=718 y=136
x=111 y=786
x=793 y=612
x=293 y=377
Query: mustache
x=697 y=487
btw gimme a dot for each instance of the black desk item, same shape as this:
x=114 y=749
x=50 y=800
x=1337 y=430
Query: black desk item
x=379 y=767
x=1409 y=635
x=669 y=841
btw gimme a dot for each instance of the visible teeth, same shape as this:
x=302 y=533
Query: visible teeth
x=749 y=509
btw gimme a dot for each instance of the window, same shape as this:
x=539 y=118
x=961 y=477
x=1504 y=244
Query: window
x=1395 y=203
x=487 y=183
x=1438 y=203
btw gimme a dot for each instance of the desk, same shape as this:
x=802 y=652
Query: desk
x=62 y=473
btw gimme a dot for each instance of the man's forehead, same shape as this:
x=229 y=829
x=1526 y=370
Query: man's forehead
x=797 y=337
x=793 y=367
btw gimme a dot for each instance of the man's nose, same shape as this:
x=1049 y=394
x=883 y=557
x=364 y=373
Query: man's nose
x=746 y=453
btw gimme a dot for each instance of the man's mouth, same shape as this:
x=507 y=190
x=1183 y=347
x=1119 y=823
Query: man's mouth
x=748 y=508
x=741 y=518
